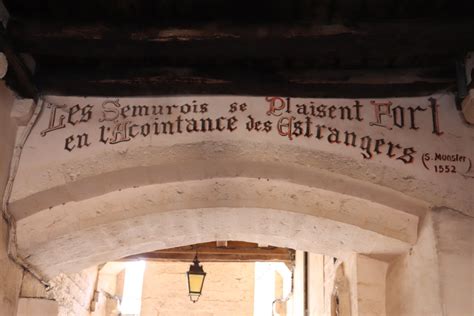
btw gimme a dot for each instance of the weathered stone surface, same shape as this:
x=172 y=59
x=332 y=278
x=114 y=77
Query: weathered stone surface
x=371 y=286
x=32 y=288
x=455 y=246
x=74 y=292
x=10 y=273
x=37 y=307
x=162 y=216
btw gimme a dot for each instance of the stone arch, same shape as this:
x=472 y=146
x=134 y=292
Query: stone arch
x=139 y=219
x=115 y=196
x=44 y=184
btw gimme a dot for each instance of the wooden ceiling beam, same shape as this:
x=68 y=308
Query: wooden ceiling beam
x=241 y=11
x=132 y=82
x=306 y=60
x=210 y=258
x=224 y=42
x=210 y=252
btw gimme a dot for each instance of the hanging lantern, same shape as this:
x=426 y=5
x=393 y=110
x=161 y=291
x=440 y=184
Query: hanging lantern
x=196 y=277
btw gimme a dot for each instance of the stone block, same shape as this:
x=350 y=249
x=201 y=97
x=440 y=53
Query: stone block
x=37 y=307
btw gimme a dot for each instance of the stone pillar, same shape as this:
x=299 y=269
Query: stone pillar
x=316 y=284
x=436 y=277
x=298 y=285
x=371 y=275
x=413 y=279
x=35 y=299
x=454 y=234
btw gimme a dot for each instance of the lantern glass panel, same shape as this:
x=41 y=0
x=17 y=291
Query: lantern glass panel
x=196 y=282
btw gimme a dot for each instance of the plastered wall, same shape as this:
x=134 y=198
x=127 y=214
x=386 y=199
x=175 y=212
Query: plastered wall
x=228 y=290
x=436 y=277
x=10 y=274
x=413 y=279
x=455 y=249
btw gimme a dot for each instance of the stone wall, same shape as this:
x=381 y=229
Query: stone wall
x=455 y=246
x=228 y=290
x=436 y=277
x=371 y=285
x=414 y=283
x=10 y=273
x=353 y=285
x=109 y=289
x=74 y=292
x=37 y=307
x=10 y=276
x=316 y=284
x=68 y=295
x=340 y=280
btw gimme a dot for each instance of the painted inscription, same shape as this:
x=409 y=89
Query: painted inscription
x=446 y=163
x=120 y=122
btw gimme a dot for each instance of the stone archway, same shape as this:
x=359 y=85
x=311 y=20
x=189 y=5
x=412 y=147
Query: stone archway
x=101 y=188
x=121 y=223
x=79 y=200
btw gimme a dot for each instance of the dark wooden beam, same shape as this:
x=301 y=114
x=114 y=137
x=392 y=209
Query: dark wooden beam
x=348 y=84
x=210 y=252
x=224 y=42
x=239 y=11
x=306 y=60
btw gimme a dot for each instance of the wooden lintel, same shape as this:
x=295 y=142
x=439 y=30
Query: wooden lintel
x=235 y=251
x=242 y=84
x=210 y=258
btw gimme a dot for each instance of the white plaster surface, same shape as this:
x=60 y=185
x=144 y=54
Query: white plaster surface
x=50 y=175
